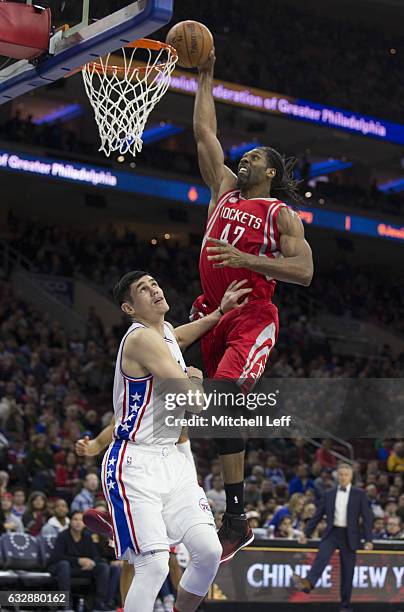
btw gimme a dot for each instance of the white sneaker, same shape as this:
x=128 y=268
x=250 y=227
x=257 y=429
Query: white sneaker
x=158 y=606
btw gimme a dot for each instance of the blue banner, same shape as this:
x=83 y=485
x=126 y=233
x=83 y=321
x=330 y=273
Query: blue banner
x=180 y=191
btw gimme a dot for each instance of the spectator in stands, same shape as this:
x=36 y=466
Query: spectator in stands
x=67 y=473
x=266 y=491
x=400 y=509
x=373 y=497
x=378 y=527
x=323 y=482
x=298 y=452
x=286 y=530
x=382 y=484
x=215 y=470
x=85 y=499
x=216 y=496
x=11 y=523
x=309 y=511
x=384 y=450
x=393 y=529
x=252 y=494
x=272 y=471
x=4 y=479
x=254 y=518
x=324 y=456
x=391 y=507
x=19 y=507
x=35 y=516
x=395 y=462
x=302 y=481
x=59 y=521
x=394 y=491
x=76 y=555
x=293 y=509
x=40 y=463
x=319 y=530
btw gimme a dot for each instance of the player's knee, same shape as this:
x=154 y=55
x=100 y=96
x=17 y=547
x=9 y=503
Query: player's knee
x=205 y=551
x=230 y=446
x=155 y=563
x=206 y=555
x=161 y=569
x=212 y=552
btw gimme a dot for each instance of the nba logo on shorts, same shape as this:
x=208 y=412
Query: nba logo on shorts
x=204 y=505
x=129 y=460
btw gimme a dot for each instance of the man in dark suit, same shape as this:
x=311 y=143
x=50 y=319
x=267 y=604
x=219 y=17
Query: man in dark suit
x=343 y=505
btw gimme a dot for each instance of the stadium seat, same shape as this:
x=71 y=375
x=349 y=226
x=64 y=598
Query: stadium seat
x=46 y=545
x=8 y=578
x=21 y=554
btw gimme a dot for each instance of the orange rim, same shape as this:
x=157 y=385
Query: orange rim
x=141 y=43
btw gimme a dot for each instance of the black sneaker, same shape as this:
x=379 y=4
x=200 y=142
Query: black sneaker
x=234 y=534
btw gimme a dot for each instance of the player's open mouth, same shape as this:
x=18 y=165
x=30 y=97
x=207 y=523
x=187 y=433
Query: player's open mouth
x=160 y=299
x=243 y=170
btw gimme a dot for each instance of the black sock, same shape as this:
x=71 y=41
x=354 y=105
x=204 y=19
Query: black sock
x=235 y=498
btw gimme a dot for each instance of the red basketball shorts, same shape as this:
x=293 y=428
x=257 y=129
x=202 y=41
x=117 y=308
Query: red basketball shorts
x=238 y=347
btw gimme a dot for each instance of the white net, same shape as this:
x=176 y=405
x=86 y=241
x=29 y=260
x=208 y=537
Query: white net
x=124 y=95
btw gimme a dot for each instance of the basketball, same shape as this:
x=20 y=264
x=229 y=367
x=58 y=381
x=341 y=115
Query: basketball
x=193 y=42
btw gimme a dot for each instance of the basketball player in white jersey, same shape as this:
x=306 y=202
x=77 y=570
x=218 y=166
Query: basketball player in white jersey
x=98 y=521
x=151 y=489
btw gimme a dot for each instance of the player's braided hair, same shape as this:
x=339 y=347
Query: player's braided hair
x=121 y=290
x=283 y=185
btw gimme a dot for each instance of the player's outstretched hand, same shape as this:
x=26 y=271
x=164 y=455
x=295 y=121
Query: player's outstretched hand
x=194 y=373
x=225 y=254
x=81 y=446
x=234 y=293
x=209 y=65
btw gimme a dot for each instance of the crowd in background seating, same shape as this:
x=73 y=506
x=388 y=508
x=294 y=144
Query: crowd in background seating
x=103 y=256
x=298 y=52
x=55 y=388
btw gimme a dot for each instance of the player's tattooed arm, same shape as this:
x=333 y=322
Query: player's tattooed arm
x=296 y=265
x=218 y=177
x=146 y=352
x=235 y=296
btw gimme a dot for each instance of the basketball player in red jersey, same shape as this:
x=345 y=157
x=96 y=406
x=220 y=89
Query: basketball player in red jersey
x=250 y=234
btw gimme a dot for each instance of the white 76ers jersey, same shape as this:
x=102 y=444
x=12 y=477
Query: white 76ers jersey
x=138 y=402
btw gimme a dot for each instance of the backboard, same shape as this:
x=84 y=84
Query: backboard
x=96 y=27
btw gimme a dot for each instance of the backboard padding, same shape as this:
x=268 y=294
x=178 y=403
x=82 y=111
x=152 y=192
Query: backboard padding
x=131 y=22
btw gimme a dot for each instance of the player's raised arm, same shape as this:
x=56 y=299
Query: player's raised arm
x=296 y=265
x=235 y=296
x=148 y=349
x=218 y=177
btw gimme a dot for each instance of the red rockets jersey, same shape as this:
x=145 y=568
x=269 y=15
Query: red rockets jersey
x=250 y=225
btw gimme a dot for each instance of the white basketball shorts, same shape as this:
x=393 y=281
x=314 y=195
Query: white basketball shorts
x=153 y=497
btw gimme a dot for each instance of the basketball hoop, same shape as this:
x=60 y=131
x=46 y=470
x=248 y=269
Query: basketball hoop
x=124 y=95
